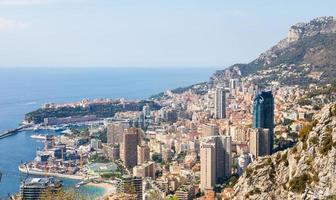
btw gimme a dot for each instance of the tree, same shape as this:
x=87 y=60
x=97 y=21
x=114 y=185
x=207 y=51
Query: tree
x=62 y=195
x=157 y=158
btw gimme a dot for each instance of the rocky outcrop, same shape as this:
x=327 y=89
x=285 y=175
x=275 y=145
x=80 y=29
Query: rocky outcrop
x=306 y=171
x=321 y=25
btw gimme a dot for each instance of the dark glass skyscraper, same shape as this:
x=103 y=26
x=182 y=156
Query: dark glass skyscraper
x=263 y=113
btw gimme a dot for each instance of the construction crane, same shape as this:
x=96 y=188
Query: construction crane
x=81 y=159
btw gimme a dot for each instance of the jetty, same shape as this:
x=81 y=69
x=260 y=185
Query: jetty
x=12 y=131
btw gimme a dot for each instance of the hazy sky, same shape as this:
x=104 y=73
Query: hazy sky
x=146 y=33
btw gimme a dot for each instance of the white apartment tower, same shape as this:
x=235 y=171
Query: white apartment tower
x=208 y=166
x=220 y=112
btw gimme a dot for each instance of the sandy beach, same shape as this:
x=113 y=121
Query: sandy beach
x=108 y=188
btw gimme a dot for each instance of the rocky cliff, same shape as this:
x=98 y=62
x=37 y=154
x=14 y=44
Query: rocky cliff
x=306 y=171
x=309 y=47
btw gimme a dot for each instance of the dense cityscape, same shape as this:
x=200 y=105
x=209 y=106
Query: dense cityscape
x=196 y=145
x=261 y=130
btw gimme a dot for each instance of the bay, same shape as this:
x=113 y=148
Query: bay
x=25 y=89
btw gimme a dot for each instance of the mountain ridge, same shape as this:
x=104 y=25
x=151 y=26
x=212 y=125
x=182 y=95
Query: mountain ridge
x=311 y=44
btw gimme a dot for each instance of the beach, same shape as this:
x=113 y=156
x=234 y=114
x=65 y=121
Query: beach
x=108 y=188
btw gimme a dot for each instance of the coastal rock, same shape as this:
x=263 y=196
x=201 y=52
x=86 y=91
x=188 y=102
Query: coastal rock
x=306 y=171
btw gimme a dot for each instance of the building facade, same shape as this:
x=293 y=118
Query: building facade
x=129 y=152
x=130 y=185
x=32 y=188
x=208 y=166
x=220 y=104
x=259 y=142
x=263 y=114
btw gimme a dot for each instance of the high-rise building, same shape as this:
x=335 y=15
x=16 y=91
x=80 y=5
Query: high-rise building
x=220 y=104
x=32 y=188
x=216 y=160
x=208 y=166
x=115 y=132
x=144 y=170
x=146 y=111
x=263 y=114
x=130 y=185
x=223 y=157
x=234 y=84
x=128 y=152
x=259 y=142
x=143 y=154
x=95 y=144
x=111 y=151
x=209 y=130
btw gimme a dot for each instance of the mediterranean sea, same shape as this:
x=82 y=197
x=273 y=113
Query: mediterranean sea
x=25 y=89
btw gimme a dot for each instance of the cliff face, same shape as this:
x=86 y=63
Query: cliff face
x=306 y=171
x=311 y=44
x=321 y=25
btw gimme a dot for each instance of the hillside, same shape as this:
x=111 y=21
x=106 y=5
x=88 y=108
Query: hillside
x=308 y=52
x=306 y=171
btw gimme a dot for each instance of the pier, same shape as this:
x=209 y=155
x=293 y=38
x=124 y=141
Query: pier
x=12 y=131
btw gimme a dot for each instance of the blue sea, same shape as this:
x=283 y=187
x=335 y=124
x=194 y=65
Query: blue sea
x=25 y=89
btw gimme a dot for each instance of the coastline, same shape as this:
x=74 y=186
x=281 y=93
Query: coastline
x=108 y=188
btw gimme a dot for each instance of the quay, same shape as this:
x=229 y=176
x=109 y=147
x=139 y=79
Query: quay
x=13 y=131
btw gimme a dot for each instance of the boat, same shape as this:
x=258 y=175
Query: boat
x=78 y=185
x=58 y=129
x=38 y=136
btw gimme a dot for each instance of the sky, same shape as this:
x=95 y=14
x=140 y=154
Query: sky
x=146 y=33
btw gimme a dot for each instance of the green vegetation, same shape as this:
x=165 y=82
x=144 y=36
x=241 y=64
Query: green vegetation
x=310 y=161
x=304 y=145
x=156 y=157
x=297 y=54
x=284 y=159
x=102 y=136
x=322 y=91
x=98 y=158
x=110 y=175
x=333 y=110
x=248 y=172
x=326 y=144
x=181 y=155
x=266 y=162
x=304 y=132
x=254 y=191
x=331 y=197
x=298 y=184
x=172 y=198
x=314 y=140
x=198 y=88
x=63 y=195
x=304 y=102
x=232 y=180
